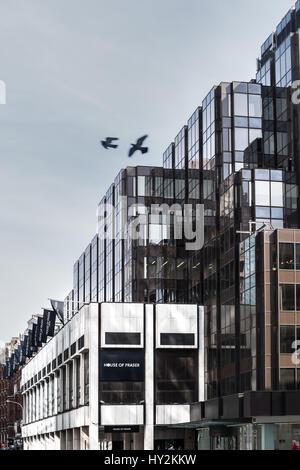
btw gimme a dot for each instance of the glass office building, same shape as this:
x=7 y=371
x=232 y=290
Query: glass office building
x=238 y=155
x=151 y=267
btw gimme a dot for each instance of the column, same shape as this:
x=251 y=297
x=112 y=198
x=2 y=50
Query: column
x=94 y=375
x=37 y=405
x=55 y=395
x=69 y=436
x=76 y=439
x=149 y=379
x=25 y=412
x=63 y=440
x=81 y=379
x=41 y=400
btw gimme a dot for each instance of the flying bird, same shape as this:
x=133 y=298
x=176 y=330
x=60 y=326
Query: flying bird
x=138 y=146
x=108 y=143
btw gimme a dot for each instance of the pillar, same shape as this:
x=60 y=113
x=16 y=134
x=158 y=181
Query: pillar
x=76 y=439
x=148 y=443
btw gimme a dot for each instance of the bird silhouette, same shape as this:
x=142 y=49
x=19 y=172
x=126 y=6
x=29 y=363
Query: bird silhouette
x=108 y=143
x=138 y=146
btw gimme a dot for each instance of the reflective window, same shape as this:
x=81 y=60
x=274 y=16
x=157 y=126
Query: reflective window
x=298 y=300
x=241 y=139
x=287 y=297
x=255 y=106
x=286 y=256
x=287 y=337
x=254 y=134
x=262 y=196
x=298 y=256
x=276 y=194
x=240 y=104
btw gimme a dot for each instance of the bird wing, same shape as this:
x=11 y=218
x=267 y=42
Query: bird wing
x=109 y=140
x=131 y=151
x=140 y=141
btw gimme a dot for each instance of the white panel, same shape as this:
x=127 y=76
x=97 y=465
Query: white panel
x=94 y=378
x=125 y=415
x=172 y=414
x=176 y=319
x=122 y=318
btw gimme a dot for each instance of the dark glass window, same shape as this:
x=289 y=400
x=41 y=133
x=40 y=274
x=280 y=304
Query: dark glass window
x=286 y=256
x=122 y=338
x=71 y=388
x=121 y=392
x=59 y=360
x=78 y=389
x=287 y=297
x=66 y=354
x=176 y=380
x=298 y=256
x=58 y=392
x=73 y=349
x=81 y=342
x=298 y=297
x=287 y=379
x=64 y=388
x=86 y=378
x=177 y=339
x=287 y=337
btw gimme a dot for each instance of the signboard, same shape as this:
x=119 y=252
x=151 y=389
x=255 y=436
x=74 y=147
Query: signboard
x=121 y=429
x=122 y=365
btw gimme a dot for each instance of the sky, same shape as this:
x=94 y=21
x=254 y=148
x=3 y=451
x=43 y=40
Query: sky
x=80 y=70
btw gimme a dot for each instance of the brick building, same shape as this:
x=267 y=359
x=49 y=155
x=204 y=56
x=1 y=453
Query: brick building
x=10 y=413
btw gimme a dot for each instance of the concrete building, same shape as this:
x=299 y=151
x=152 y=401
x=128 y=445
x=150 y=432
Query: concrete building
x=116 y=376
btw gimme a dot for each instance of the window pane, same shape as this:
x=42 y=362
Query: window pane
x=287 y=337
x=255 y=134
x=286 y=256
x=241 y=121
x=241 y=139
x=240 y=105
x=298 y=256
x=255 y=107
x=262 y=196
x=287 y=297
x=276 y=194
x=298 y=298
x=263 y=212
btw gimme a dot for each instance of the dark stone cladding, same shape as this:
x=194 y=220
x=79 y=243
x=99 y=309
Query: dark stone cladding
x=243 y=407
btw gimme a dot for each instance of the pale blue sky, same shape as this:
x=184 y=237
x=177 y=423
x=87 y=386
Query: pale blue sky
x=77 y=71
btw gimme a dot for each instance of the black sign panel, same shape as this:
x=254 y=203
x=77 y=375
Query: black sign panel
x=121 y=429
x=122 y=365
x=28 y=352
x=37 y=333
x=50 y=322
x=33 y=338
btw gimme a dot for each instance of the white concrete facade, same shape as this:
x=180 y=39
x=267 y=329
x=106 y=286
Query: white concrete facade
x=62 y=405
